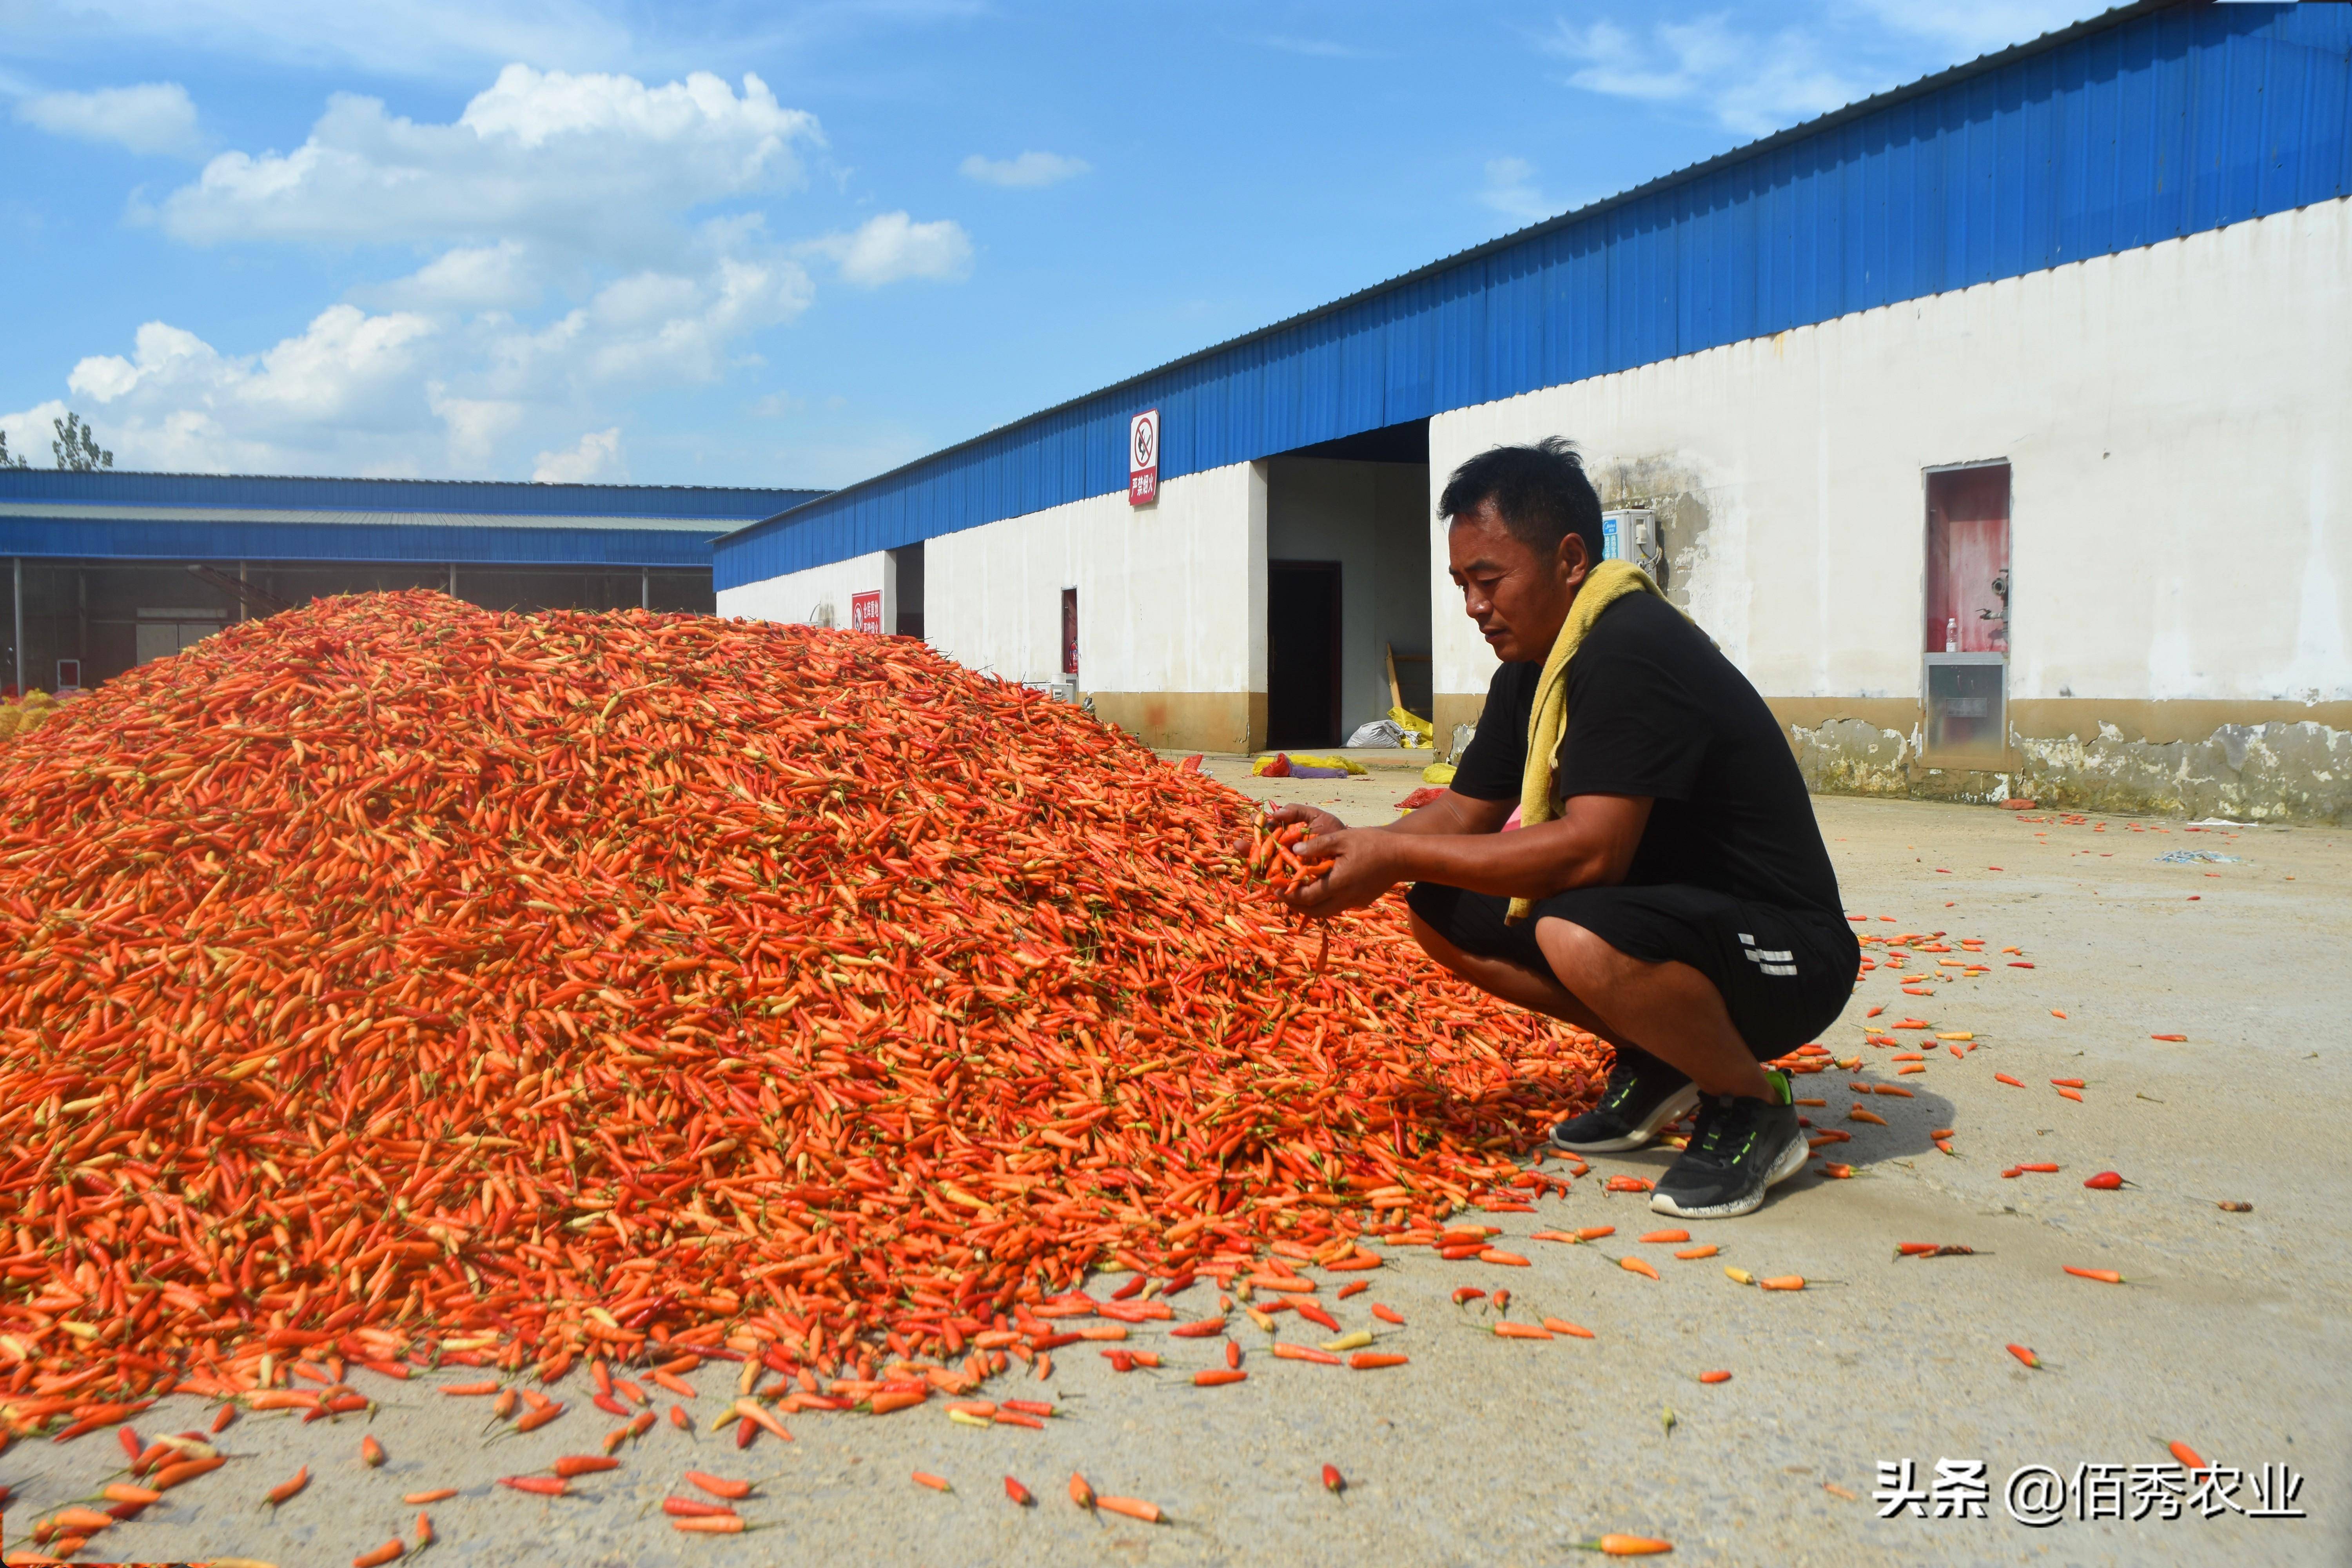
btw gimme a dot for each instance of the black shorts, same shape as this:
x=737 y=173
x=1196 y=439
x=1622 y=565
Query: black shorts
x=1784 y=975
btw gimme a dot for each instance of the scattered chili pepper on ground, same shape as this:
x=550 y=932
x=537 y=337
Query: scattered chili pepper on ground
x=1625 y=1546
x=2103 y=1276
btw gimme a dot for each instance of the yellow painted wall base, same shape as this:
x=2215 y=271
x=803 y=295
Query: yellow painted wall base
x=1455 y=708
x=1187 y=721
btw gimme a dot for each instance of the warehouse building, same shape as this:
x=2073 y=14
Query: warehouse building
x=107 y=569
x=1995 y=425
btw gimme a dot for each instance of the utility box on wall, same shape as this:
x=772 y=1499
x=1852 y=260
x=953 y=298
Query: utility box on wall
x=1965 y=682
x=1631 y=534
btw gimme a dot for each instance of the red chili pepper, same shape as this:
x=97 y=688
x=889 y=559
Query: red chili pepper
x=694 y=1508
x=2103 y=1276
x=541 y=1486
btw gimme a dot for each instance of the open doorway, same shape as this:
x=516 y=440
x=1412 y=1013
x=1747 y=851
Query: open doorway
x=1302 y=653
x=1967 y=597
x=906 y=582
x=1358 y=511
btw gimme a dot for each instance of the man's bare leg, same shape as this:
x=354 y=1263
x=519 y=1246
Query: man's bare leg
x=1497 y=977
x=1670 y=1010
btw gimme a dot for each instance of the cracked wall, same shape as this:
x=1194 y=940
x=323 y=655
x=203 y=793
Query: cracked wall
x=1674 y=495
x=2248 y=773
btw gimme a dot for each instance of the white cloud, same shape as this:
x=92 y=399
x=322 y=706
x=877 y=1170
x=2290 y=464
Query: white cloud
x=498 y=276
x=893 y=247
x=1973 y=28
x=1030 y=169
x=30 y=432
x=593 y=166
x=650 y=328
x=475 y=425
x=329 y=372
x=1511 y=190
x=1754 y=81
x=150 y=118
x=1751 y=84
x=178 y=403
x=557 y=272
x=357 y=392
x=596 y=461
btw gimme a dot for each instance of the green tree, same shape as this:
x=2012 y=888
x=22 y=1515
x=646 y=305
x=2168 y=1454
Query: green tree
x=77 y=447
x=6 y=460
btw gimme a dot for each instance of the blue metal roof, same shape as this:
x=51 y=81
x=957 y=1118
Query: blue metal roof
x=2155 y=121
x=109 y=515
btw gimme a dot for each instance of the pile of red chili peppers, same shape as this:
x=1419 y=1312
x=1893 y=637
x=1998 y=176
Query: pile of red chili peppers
x=396 y=974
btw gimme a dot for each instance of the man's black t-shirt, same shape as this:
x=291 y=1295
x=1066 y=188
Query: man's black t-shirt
x=1653 y=709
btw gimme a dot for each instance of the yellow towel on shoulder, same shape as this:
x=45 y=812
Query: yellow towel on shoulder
x=1607 y=582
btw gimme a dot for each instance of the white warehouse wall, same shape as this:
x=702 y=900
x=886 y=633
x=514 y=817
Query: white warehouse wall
x=2176 y=421
x=1172 y=603
x=804 y=597
x=992 y=594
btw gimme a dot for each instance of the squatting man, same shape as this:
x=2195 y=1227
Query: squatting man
x=1665 y=887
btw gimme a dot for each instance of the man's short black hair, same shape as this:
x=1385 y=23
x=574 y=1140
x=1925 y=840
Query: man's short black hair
x=1540 y=491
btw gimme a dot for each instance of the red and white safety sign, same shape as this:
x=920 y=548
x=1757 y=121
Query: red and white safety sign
x=866 y=612
x=1143 y=458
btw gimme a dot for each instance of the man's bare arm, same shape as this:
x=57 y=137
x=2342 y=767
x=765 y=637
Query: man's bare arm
x=1591 y=845
x=1448 y=814
x=1454 y=815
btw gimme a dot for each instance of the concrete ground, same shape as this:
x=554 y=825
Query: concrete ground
x=2231 y=1335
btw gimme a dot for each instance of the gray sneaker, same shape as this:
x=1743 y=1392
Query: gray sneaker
x=1741 y=1149
x=1644 y=1094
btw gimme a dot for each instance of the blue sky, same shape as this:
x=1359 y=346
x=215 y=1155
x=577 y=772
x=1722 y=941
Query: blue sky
x=787 y=244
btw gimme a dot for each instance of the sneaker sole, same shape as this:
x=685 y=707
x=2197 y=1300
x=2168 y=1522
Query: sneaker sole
x=1671 y=1109
x=1793 y=1160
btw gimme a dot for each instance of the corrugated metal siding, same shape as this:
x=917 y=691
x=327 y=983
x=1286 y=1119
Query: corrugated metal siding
x=281 y=516
x=2153 y=123
x=482 y=544
x=721 y=505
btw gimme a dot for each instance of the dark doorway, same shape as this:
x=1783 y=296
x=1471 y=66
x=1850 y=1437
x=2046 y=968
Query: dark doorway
x=906 y=570
x=1302 y=653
